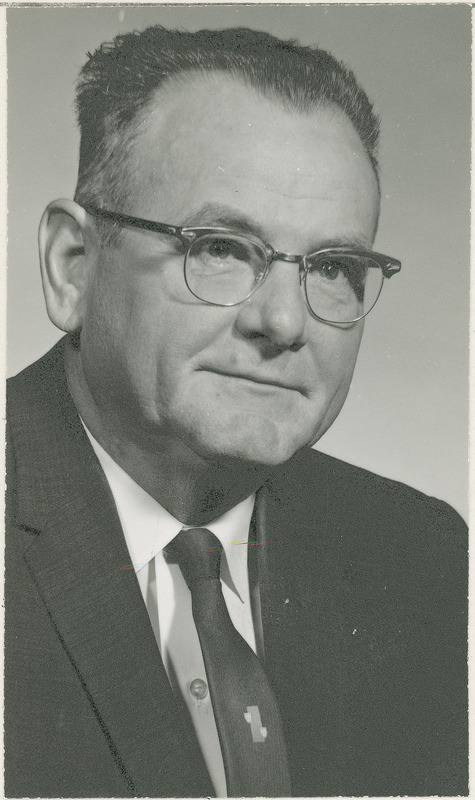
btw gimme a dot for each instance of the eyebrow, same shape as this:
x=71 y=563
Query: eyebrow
x=226 y=217
x=219 y=215
x=358 y=242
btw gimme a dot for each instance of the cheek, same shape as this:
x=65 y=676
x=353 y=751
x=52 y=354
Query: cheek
x=112 y=341
x=335 y=364
x=335 y=353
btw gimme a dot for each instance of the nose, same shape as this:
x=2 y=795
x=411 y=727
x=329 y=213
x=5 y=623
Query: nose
x=277 y=312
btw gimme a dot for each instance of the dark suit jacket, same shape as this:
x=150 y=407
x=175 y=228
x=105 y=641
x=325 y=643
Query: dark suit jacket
x=363 y=588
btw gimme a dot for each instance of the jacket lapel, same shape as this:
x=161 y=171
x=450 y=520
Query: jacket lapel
x=76 y=558
x=299 y=565
x=300 y=589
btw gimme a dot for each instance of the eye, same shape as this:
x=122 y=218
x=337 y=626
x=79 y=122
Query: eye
x=330 y=268
x=223 y=249
x=350 y=269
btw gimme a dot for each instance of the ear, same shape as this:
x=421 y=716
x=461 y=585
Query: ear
x=66 y=259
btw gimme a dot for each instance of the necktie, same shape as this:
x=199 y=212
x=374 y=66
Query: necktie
x=246 y=712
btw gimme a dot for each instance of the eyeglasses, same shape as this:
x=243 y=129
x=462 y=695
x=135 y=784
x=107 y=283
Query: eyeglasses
x=223 y=268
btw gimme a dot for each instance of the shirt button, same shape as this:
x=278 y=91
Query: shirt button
x=198 y=689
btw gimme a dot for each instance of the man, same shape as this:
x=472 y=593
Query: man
x=212 y=277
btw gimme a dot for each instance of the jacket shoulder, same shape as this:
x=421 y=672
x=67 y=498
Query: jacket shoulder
x=368 y=516
x=357 y=487
x=37 y=382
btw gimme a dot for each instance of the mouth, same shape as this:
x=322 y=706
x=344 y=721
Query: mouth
x=259 y=380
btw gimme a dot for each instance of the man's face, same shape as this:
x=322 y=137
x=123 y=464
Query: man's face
x=262 y=379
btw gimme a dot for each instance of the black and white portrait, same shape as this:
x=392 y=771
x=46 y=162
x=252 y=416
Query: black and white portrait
x=238 y=297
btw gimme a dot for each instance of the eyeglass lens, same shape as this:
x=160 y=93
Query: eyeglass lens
x=225 y=270
x=342 y=288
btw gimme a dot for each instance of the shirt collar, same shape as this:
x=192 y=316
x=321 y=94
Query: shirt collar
x=148 y=527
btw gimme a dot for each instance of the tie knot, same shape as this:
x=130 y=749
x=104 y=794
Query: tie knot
x=198 y=552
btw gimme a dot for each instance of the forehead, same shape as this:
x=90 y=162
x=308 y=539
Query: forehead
x=210 y=139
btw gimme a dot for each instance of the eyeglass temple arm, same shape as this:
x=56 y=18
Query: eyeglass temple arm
x=135 y=222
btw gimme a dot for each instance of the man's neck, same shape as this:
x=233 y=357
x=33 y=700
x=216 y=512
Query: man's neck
x=195 y=490
x=191 y=489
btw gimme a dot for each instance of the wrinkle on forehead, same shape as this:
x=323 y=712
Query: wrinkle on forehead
x=298 y=186
x=215 y=151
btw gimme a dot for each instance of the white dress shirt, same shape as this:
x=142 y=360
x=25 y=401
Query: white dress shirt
x=148 y=528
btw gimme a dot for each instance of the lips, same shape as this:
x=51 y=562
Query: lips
x=259 y=379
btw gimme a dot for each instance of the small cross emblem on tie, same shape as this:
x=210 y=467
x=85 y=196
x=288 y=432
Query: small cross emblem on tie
x=253 y=717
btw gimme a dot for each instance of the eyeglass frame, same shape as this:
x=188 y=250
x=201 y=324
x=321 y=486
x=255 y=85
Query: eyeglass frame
x=188 y=235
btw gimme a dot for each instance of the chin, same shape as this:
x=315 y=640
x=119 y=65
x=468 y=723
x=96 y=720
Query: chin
x=266 y=445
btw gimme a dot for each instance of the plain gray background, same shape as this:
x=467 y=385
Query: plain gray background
x=406 y=414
